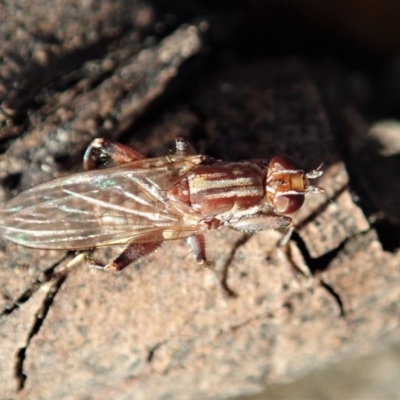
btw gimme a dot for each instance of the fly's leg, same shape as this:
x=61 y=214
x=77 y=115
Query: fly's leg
x=132 y=253
x=286 y=236
x=63 y=272
x=262 y=222
x=198 y=245
x=183 y=147
x=104 y=152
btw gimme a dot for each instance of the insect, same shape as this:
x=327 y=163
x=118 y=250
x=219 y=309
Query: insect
x=141 y=202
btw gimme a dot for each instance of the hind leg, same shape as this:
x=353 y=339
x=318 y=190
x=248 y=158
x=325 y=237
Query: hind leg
x=103 y=152
x=132 y=253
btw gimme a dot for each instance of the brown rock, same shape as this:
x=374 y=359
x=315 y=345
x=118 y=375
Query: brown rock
x=166 y=328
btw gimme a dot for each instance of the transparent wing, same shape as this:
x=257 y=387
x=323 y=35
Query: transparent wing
x=100 y=207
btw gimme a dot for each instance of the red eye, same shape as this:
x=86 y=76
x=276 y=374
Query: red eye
x=283 y=162
x=288 y=204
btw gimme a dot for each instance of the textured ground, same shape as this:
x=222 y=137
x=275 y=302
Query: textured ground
x=166 y=328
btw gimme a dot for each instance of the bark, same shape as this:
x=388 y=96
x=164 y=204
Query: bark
x=166 y=328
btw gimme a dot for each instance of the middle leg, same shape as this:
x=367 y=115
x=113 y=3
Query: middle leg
x=198 y=245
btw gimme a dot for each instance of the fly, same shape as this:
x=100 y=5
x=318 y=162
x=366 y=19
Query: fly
x=141 y=202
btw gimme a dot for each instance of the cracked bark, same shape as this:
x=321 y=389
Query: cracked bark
x=166 y=327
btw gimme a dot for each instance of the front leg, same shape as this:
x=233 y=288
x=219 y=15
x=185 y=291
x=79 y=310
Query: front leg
x=262 y=222
x=104 y=152
x=132 y=253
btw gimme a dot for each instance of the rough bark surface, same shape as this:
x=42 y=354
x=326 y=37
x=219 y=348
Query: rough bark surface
x=166 y=328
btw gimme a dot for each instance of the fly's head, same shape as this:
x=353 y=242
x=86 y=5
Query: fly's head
x=287 y=185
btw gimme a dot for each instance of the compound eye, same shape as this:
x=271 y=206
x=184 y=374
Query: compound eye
x=288 y=204
x=283 y=162
x=284 y=169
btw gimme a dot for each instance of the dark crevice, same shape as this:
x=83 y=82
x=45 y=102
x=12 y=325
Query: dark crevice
x=45 y=276
x=388 y=234
x=19 y=373
x=225 y=272
x=153 y=350
x=318 y=264
x=40 y=317
x=11 y=181
x=335 y=295
x=25 y=296
x=318 y=211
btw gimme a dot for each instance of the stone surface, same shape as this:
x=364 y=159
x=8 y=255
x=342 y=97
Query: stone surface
x=166 y=328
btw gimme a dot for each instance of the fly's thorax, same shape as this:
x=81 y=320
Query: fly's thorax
x=287 y=185
x=179 y=192
x=221 y=188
